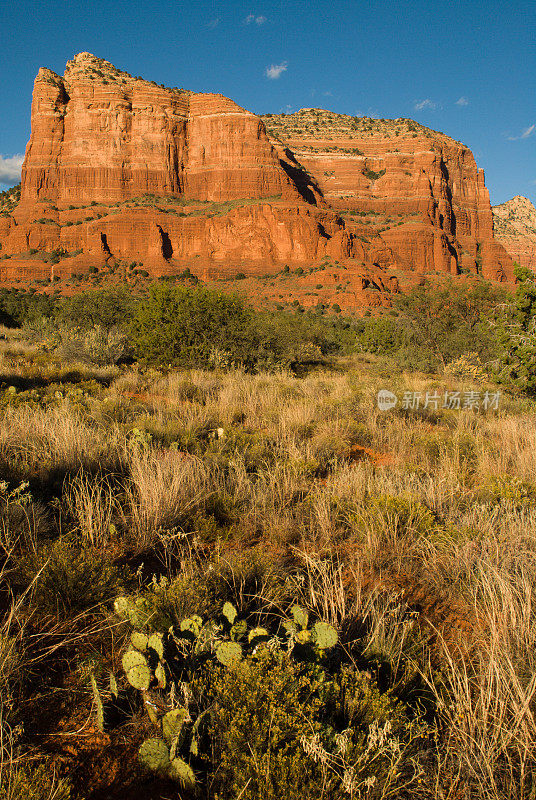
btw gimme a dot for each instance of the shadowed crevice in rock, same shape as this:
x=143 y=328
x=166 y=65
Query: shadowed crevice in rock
x=454 y=254
x=104 y=243
x=165 y=241
x=300 y=178
x=323 y=232
x=448 y=191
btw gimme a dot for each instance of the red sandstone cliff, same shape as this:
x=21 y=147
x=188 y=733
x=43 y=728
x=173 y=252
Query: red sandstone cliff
x=514 y=223
x=419 y=191
x=118 y=168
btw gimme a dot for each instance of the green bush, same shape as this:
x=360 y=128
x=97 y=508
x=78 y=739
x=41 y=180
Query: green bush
x=186 y=327
x=284 y=729
x=515 y=331
x=446 y=320
x=373 y=176
x=381 y=335
x=18 y=306
x=71 y=577
x=106 y=308
x=201 y=327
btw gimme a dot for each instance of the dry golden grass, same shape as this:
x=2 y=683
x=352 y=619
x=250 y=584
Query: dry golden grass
x=438 y=545
x=60 y=437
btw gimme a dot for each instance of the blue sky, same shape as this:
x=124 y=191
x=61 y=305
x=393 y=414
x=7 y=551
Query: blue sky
x=465 y=68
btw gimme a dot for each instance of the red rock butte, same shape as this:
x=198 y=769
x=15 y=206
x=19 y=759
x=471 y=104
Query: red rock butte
x=119 y=169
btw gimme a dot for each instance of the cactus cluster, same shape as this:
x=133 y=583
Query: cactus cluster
x=135 y=610
x=165 y=660
x=322 y=636
x=160 y=754
x=144 y=662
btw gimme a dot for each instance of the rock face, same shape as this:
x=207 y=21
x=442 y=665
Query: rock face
x=119 y=168
x=100 y=135
x=417 y=190
x=514 y=223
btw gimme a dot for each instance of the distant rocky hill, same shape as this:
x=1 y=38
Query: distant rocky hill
x=514 y=223
x=119 y=170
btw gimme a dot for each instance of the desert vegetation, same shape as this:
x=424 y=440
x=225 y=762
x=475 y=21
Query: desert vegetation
x=226 y=573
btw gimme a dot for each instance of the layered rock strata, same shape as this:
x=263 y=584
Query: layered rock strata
x=514 y=224
x=120 y=169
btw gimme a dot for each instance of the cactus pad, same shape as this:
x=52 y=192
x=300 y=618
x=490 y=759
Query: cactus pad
x=326 y=635
x=156 y=643
x=139 y=640
x=303 y=637
x=229 y=612
x=136 y=669
x=300 y=616
x=121 y=606
x=290 y=627
x=154 y=754
x=173 y=722
x=160 y=675
x=257 y=633
x=239 y=629
x=192 y=624
x=229 y=653
x=182 y=772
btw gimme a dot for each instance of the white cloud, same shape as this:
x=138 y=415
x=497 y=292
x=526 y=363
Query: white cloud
x=463 y=101
x=10 y=168
x=275 y=71
x=524 y=134
x=422 y=104
x=258 y=20
x=214 y=22
x=327 y=94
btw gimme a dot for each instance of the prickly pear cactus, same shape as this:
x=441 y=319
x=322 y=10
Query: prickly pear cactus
x=137 y=670
x=121 y=606
x=139 y=641
x=303 y=637
x=182 y=772
x=135 y=611
x=154 y=754
x=156 y=643
x=300 y=616
x=257 y=633
x=291 y=628
x=229 y=653
x=98 y=703
x=173 y=722
x=160 y=675
x=239 y=629
x=325 y=634
x=229 y=612
x=192 y=624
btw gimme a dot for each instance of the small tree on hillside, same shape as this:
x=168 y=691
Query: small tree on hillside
x=450 y=319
